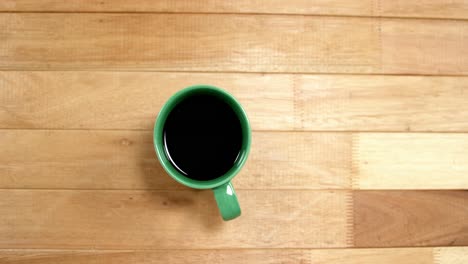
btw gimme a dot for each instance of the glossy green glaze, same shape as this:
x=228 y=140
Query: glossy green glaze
x=223 y=190
x=227 y=201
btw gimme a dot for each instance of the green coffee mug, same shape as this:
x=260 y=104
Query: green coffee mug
x=224 y=193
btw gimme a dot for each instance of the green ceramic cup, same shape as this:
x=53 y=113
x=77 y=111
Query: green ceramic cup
x=223 y=190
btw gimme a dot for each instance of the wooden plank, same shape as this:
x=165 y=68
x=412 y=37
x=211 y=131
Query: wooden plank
x=452 y=255
x=239 y=43
x=189 y=42
x=107 y=100
x=424 y=46
x=410 y=218
x=131 y=100
x=424 y=8
x=80 y=159
x=381 y=103
x=410 y=161
x=258 y=256
x=323 y=7
x=296 y=160
x=172 y=220
x=126 y=160
x=396 y=8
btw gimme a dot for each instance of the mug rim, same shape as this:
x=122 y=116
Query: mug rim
x=159 y=144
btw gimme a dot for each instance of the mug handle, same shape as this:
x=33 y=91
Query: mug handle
x=227 y=201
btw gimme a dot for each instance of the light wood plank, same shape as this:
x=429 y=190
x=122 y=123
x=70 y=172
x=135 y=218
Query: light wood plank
x=452 y=255
x=258 y=256
x=108 y=100
x=410 y=161
x=424 y=8
x=382 y=103
x=410 y=218
x=172 y=220
x=131 y=100
x=126 y=160
x=189 y=42
x=296 y=160
x=395 y=8
x=424 y=46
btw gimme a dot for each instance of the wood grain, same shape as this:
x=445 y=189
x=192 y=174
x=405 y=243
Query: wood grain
x=131 y=100
x=410 y=161
x=296 y=160
x=453 y=255
x=81 y=159
x=382 y=103
x=271 y=256
x=240 y=43
x=81 y=83
x=190 y=42
x=424 y=46
x=398 y=8
x=171 y=220
x=410 y=218
x=424 y=8
x=323 y=7
x=126 y=160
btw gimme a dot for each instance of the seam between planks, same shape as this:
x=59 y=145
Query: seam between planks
x=133 y=70
x=436 y=255
x=56 y=249
x=349 y=214
x=354 y=161
x=136 y=249
x=238 y=13
x=128 y=69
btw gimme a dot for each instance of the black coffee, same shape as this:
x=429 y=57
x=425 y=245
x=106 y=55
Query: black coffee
x=202 y=137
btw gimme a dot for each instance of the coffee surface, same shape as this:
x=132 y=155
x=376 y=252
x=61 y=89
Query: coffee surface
x=202 y=137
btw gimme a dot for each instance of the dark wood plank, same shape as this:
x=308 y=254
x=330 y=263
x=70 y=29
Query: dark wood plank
x=410 y=218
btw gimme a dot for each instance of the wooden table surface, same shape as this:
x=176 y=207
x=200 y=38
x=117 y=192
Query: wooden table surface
x=359 y=110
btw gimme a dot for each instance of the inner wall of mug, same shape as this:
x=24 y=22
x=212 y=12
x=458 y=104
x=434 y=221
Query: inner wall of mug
x=159 y=128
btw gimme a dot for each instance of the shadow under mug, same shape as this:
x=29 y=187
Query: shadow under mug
x=224 y=193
